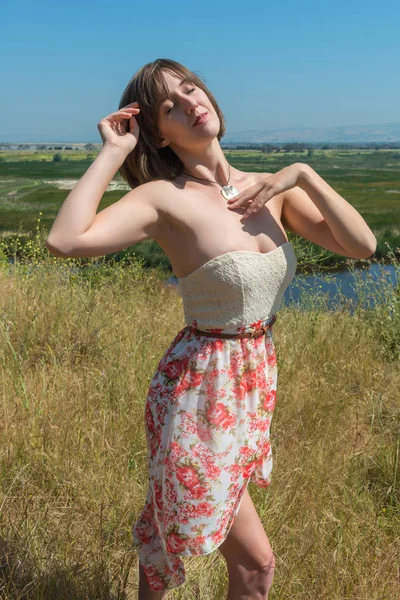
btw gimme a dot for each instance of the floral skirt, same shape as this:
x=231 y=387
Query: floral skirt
x=207 y=416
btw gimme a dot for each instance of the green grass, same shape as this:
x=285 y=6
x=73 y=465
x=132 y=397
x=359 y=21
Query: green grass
x=363 y=178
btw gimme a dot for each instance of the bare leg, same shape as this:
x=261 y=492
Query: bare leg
x=248 y=555
x=145 y=593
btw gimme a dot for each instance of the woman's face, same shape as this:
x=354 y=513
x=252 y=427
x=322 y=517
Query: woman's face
x=179 y=112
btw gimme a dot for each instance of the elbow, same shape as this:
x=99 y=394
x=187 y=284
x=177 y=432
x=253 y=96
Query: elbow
x=371 y=248
x=55 y=249
x=367 y=250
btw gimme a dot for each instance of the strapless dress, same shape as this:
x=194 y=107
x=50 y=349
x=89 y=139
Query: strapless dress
x=209 y=409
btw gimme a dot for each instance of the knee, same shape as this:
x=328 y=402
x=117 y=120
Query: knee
x=253 y=580
x=269 y=566
x=265 y=578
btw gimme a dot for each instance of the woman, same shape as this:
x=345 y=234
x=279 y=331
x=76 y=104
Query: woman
x=211 y=399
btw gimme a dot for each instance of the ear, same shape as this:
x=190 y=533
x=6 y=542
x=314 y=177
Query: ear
x=164 y=142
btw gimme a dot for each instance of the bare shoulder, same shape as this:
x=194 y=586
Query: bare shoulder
x=146 y=192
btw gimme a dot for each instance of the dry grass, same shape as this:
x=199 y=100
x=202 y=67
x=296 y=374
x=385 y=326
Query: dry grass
x=77 y=355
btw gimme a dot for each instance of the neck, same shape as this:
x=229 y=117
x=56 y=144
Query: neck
x=207 y=162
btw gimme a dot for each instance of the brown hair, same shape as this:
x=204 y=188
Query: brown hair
x=148 y=162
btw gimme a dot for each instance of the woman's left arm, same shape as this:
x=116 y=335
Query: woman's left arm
x=311 y=209
x=345 y=223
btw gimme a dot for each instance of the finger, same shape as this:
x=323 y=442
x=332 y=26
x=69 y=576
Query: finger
x=121 y=115
x=124 y=117
x=247 y=195
x=123 y=112
x=239 y=198
x=237 y=203
x=250 y=210
x=129 y=110
x=248 y=214
x=131 y=105
x=258 y=203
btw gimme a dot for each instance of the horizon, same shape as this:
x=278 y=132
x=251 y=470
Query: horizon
x=257 y=132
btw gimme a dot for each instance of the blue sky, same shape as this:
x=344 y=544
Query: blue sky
x=270 y=65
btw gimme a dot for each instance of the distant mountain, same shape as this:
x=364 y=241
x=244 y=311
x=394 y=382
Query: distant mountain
x=363 y=134
x=387 y=132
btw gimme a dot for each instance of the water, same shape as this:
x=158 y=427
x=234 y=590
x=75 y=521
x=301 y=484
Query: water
x=360 y=286
x=363 y=287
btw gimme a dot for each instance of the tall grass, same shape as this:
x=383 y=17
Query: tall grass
x=78 y=348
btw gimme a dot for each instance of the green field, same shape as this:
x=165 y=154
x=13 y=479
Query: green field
x=368 y=179
x=78 y=348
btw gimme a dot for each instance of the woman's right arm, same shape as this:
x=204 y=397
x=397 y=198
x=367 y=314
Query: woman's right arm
x=78 y=231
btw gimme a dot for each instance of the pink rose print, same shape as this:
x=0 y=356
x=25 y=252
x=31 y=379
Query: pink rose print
x=195 y=379
x=250 y=379
x=212 y=471
x=204 y=433
x=208 y=414
x=217 y=413
x=156 y=582
x=204 y=509
x=271 y=359
x=177 y=451
x=158 y=495
x=266 y=448
x=248 y=469
x=235 y=470
x=149 y=418
x=239 y=390
x=217 y=537
x=269 y=400
x=198 y=491
x=245 y=451
x=263 y=424
x=175 y=543
x=198 y=542
x=144 y=535
x=174 y=369
x=187 y=476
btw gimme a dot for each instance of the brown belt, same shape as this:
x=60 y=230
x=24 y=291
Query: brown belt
x=251 y=334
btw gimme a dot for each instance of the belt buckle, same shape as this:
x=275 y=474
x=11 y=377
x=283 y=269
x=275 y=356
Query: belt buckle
x=257 y=332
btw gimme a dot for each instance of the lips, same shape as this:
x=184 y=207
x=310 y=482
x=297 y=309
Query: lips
x=200 y=118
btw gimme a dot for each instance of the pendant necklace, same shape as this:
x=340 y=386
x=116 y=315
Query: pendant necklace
x=228 y=191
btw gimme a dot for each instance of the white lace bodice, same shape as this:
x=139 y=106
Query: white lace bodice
x=237 y=288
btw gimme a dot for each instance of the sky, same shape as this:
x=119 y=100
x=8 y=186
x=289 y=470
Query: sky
x=64 y=65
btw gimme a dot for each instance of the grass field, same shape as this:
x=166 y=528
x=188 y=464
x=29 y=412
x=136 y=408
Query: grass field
x=369 y=180
x=77 y=353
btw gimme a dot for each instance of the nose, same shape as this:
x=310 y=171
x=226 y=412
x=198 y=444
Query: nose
x=192 y=104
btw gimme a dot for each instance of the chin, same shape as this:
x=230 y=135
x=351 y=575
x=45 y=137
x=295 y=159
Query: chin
x=211 y=128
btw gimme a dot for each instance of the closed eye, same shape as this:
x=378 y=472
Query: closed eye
x=189 y=91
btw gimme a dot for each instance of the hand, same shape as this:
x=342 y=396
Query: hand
x=259 y=194
x=120 y=129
